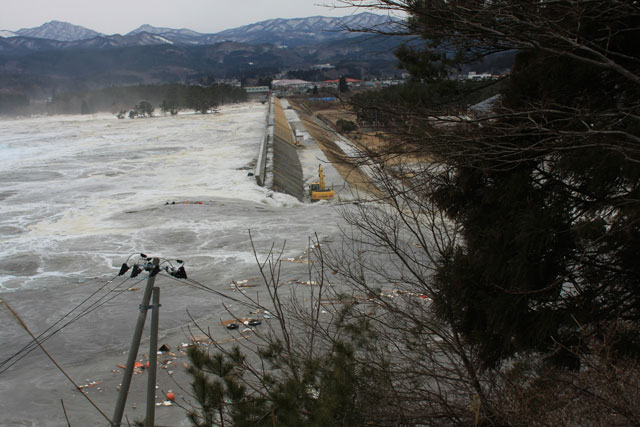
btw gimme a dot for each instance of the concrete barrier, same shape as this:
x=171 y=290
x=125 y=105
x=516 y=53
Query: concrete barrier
x=287 y=170
x=260 y=172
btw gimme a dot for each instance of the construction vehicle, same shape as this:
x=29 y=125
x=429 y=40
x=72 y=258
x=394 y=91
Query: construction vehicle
x=318 y=190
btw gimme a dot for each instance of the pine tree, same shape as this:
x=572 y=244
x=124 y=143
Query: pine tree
x=544 y=188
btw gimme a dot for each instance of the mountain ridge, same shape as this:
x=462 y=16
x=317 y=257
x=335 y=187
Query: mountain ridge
x=39 y=67
x=59 y=31
x=279 y=31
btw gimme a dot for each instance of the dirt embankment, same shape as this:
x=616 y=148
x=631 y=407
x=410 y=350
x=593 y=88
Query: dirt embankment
x=318 y=122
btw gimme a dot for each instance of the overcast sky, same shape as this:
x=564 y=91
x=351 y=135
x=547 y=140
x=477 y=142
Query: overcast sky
x=122 y=16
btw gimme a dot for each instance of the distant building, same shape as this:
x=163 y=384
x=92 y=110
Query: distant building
x=285 y=86
x=337 y=81
x=475 y=76
x=322 y=67
x=257 y=89
x=257 y=92
x=290 y=83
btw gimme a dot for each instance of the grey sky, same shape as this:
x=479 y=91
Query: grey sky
x=122 y=16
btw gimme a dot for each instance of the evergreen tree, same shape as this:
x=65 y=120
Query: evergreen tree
x=319 y=392
x=545 y=188
x=492 y=280
x=145 y=109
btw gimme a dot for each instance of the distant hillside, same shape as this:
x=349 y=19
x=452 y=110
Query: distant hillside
x=290 y=32
x=39 y=67
x=304 y=31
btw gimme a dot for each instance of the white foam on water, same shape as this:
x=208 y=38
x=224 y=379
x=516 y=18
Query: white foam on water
x=83 y=189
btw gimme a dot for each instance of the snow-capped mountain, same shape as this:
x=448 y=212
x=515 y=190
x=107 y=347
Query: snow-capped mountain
x=161 y=30
x=5 y=34
x=291 y=32
x=152 y=55
x=182 y=36
x=24 y=45
x=139 y=39
x=61 y=31
x=298 y=31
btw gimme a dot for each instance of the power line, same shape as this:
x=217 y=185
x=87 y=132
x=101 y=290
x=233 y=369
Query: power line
x=169 y=271
x=23 y=352
x=60 y=320
x=27 y=349
x=19 y=319
x=198 y=285
x=178 y=275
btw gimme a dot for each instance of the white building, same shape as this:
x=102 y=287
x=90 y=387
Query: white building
x=475 y=76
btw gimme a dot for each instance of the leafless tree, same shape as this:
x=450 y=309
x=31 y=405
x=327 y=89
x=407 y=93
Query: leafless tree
x=534 y=202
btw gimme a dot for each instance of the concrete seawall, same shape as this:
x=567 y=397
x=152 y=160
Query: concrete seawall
x=261 y=164
x=285 y=166
x=287 y=169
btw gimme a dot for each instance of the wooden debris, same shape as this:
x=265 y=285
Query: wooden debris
x=251 y=282
x=91 y=384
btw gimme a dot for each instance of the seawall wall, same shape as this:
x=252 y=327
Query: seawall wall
x=260 y=172
x=287 y=169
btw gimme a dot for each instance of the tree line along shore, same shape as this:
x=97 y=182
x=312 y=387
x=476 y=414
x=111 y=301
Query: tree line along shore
x=168 y=98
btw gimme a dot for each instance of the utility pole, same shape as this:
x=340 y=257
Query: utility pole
x=135 y=345
x=153 y=359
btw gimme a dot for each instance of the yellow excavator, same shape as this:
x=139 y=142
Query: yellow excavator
x=318 y=190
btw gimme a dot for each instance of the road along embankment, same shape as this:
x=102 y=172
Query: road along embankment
x=289 y=156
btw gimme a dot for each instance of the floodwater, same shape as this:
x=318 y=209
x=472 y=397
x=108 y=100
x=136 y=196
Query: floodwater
x=79 y=195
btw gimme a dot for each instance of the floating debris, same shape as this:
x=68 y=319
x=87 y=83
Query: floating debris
x=91 y=384
x=300 y=260
x=251 y=282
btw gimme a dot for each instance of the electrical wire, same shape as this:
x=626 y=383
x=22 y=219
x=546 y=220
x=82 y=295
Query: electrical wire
x=20 y=354
x=48 y=333
x=198 y=285
x=32 y=346
x=63 y=317
x=86 y=396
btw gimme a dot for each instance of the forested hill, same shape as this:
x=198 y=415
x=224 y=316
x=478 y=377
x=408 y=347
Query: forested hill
x=39 y=75
x=40 y=62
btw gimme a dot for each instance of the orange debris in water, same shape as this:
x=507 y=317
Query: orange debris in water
x=171 y=396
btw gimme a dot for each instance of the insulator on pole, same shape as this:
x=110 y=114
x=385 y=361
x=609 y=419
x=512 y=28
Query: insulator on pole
x=136 y=270
x=123 y=269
